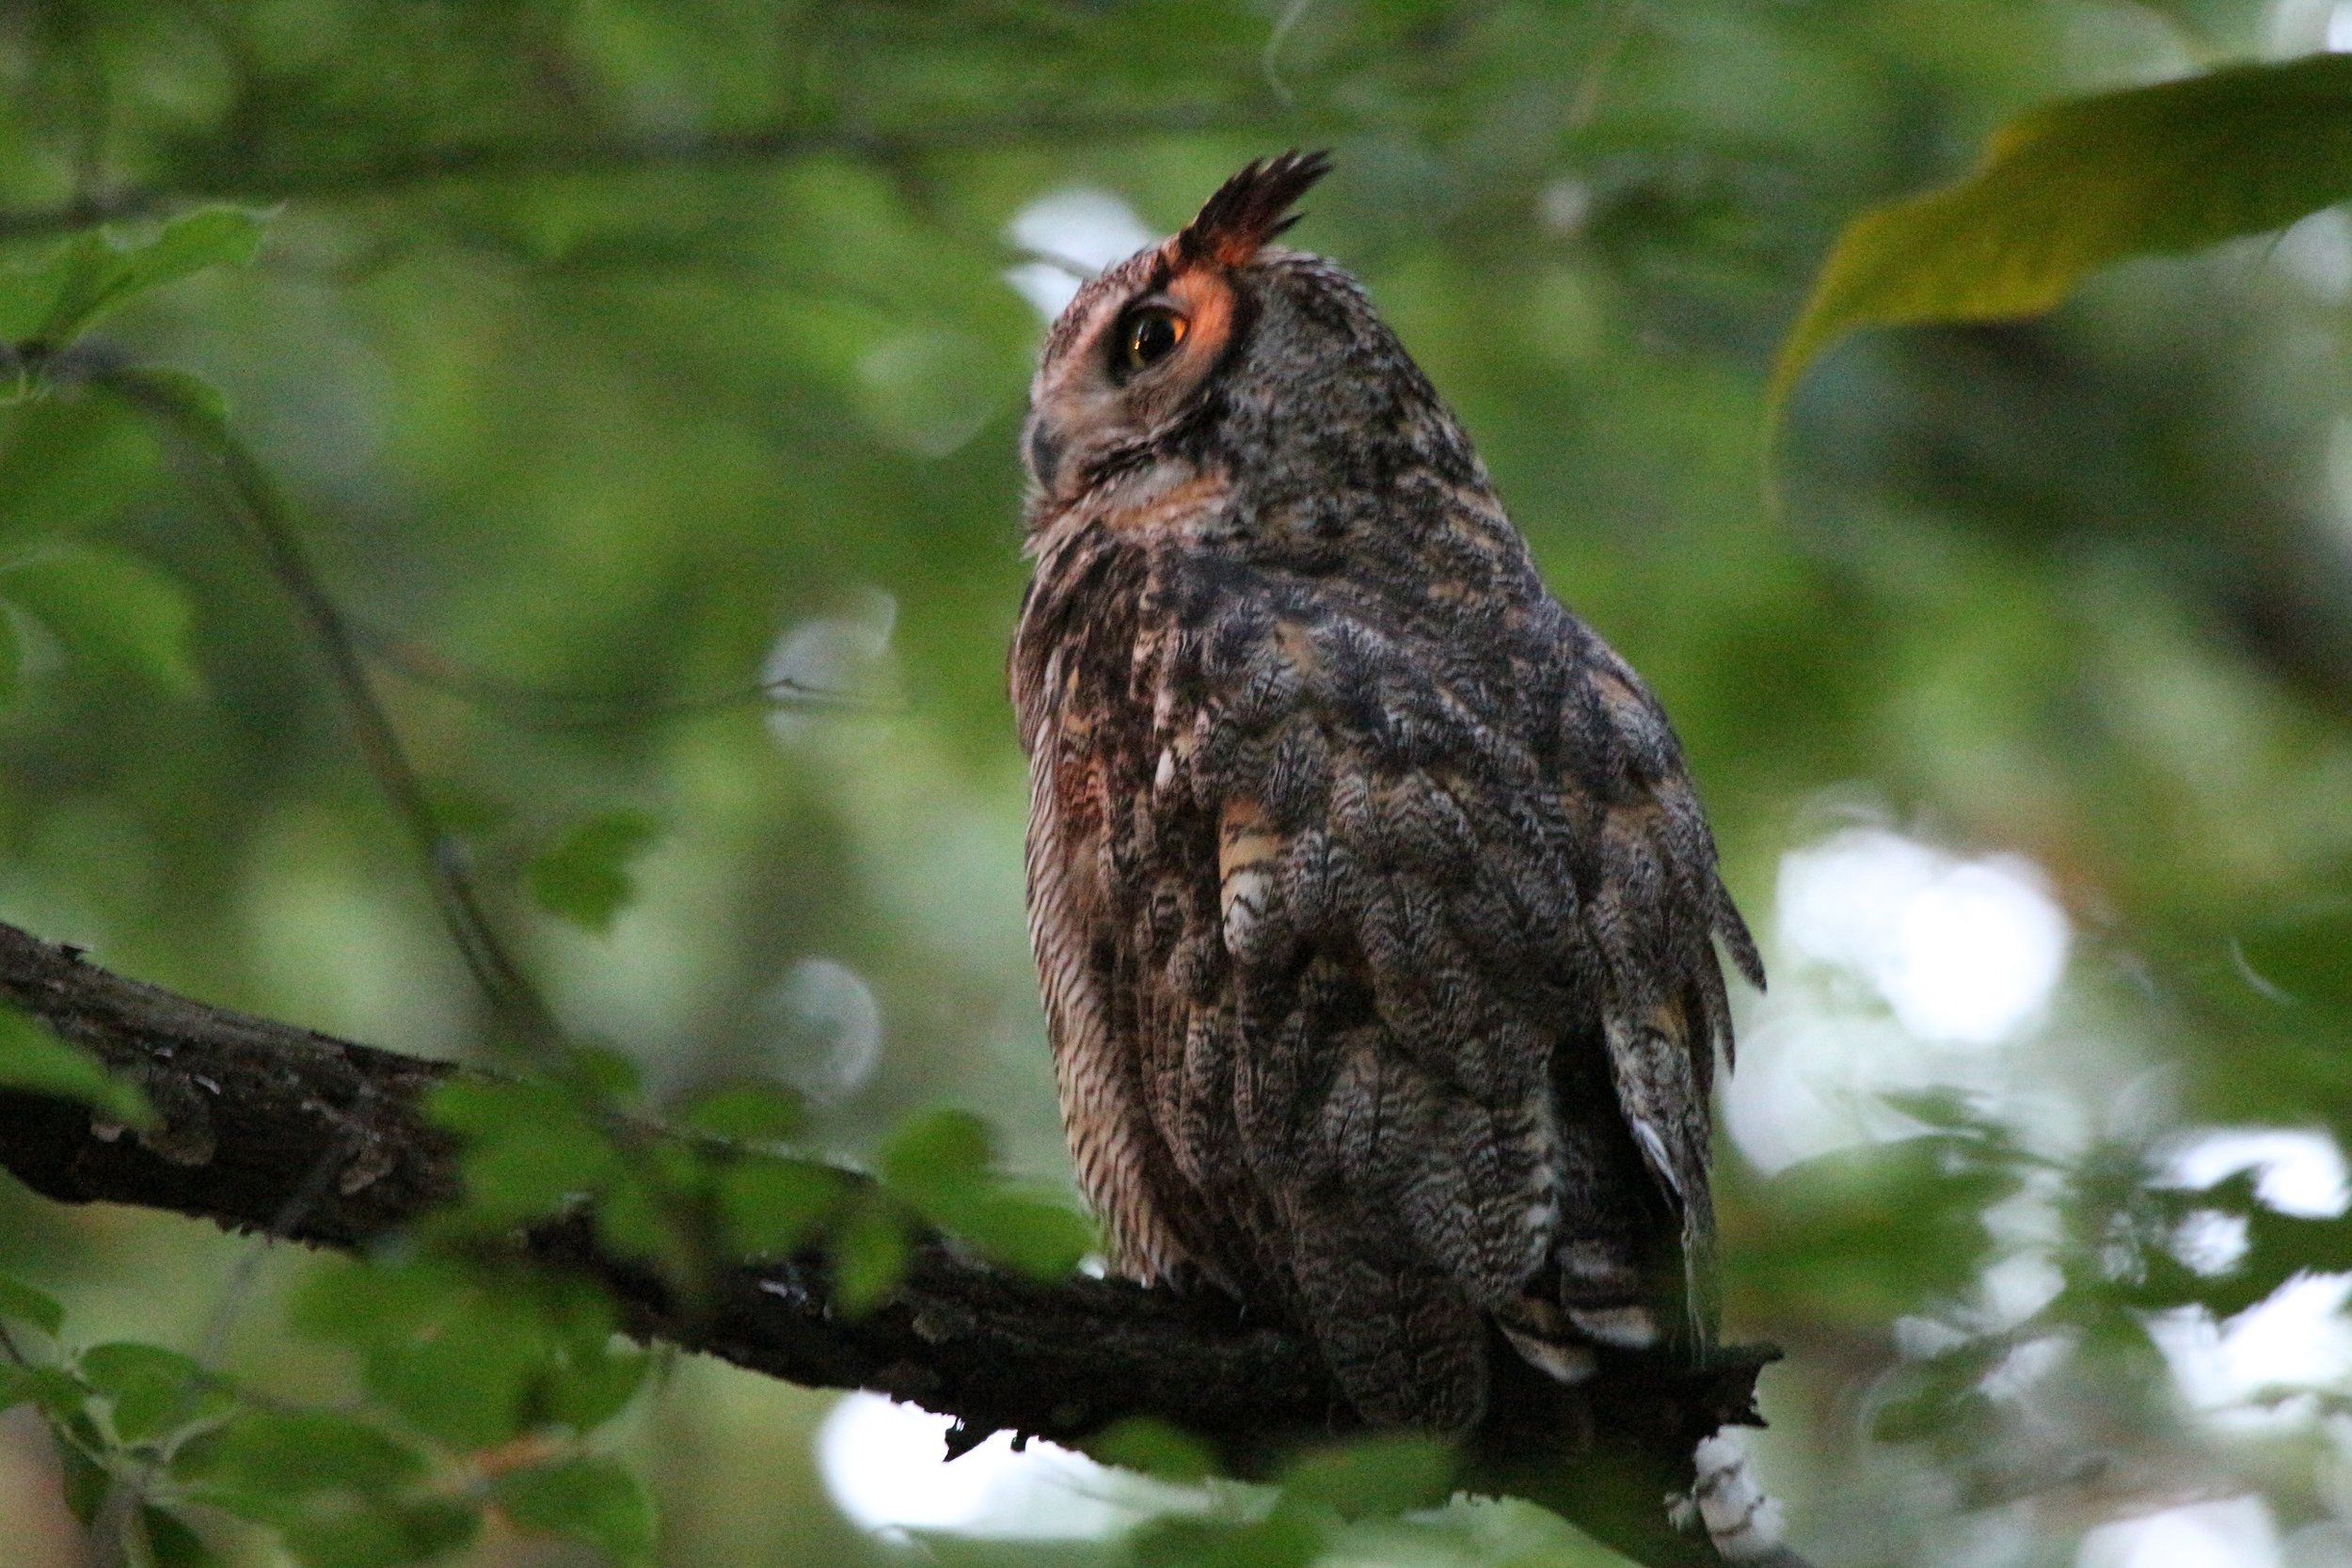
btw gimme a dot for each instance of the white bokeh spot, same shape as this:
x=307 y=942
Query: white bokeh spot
x=2238 y=1533
x=825 y=1027
x=2298 y=1338
x=840 y=660
x=1900 y=967
x=1077 y=231
x=2297 y=1171
x=1965 y=952
x=886 y=1466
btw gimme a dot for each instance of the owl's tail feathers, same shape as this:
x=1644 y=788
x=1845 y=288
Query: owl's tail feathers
x=1726 y=1500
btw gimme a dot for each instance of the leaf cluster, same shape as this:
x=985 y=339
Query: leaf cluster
x=482 y=1393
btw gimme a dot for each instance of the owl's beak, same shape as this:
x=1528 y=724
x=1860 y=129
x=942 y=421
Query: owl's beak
x=1044 y=448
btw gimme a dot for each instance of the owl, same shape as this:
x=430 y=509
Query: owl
x=1374 y=913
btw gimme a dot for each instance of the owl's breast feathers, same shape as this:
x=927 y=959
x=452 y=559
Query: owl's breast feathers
x=1375 y=914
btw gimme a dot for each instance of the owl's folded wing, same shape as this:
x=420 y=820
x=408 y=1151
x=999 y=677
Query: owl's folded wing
x=1473 y=978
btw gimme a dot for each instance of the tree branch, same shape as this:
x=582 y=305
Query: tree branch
x=250 y=1107
x=241 y=177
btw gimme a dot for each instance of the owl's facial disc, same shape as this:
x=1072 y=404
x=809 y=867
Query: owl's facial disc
x=1124 y=362
x=1131 y=354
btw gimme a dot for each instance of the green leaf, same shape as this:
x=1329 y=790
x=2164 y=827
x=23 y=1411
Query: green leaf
x=2278 y=1247
x=33 y=1059
x=584 y=877
x=634 y=1220
x=59 y=1393
x=530 y=1147
x=1039 y=1237
x=98 y=271
x=381 y=1536
x=474 y=1356
x=154 y=1390
x=1392 y=1473
x=2300 y=954
x=942 y=1165
x=27 y=1304
x=116 y=1366
x=591 y=1372
x=1939 y=1398
x=591 y=1389
x=770 y=1207
x=195 y=400
x=85 y=1481
x=749 y=1113
x=266 y=1457
x=1153 y=1448
x=934 y=1158
x=1827 y=1242
x=606 y=1070
x=2075 y=185
x=468 y=1379
x=870 y=1256
x=66 y=463
x=595 y=1500
x=463 y=811
x=11 y=657
x=113 y=610
x=365 y=1304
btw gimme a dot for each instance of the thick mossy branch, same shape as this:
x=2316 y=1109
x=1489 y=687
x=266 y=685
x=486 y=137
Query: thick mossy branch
x=253 y=1112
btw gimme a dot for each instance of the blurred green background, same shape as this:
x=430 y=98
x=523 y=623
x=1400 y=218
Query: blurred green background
x=619 y=357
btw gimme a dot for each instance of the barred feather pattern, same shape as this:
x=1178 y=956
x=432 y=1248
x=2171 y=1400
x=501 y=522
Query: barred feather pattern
x=1374 y=909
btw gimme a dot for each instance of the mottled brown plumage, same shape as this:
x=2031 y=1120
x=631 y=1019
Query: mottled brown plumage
x=1374 y=909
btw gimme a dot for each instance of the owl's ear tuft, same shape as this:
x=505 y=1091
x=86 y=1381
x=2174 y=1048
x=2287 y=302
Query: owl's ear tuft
x=1252 y=208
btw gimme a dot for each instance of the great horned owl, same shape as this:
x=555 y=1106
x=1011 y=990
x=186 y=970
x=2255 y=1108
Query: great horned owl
x=1374 y=909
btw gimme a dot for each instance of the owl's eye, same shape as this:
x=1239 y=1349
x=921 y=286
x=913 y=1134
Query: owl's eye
x=1150 y=336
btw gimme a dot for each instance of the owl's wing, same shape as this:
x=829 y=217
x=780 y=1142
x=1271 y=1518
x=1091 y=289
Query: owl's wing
x=1655 y=908
x=1469 y=996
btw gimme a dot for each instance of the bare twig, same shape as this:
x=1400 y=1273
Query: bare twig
x=253 y=498
x=545 y=709
x=244 y=178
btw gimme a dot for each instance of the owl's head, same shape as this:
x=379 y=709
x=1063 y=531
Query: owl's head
x=1134 y=357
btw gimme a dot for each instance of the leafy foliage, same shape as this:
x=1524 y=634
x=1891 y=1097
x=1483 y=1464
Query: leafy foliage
x=588 y=1499
x=89 y=276
x=2073 y=187
x=943 y=1165
x=112 y=607
x=33 y=1058
x=584 y=877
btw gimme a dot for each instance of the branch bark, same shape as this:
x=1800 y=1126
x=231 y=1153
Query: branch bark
x=250 y=1108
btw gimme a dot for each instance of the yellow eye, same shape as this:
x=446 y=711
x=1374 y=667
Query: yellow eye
x=1150 y=336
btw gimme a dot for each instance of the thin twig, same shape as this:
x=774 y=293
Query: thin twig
x=253 y=498
x=1268 y=63
x=542 y=708
x=408 y=169
x=1585 y=103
